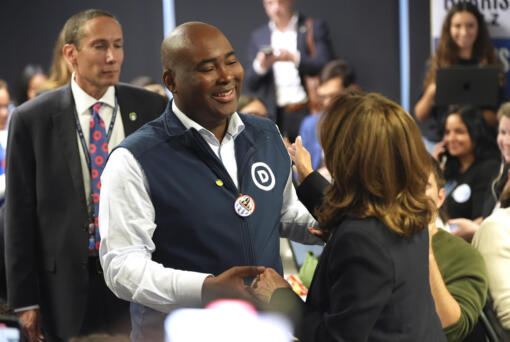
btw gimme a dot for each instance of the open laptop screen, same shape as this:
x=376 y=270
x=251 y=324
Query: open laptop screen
x=467 y=85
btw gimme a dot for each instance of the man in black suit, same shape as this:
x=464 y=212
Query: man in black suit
x=55 y=283
x=280 y=57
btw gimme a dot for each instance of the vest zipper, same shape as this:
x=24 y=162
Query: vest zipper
x=212 y=161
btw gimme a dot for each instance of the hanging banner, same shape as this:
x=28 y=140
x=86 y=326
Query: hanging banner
x=497 y=17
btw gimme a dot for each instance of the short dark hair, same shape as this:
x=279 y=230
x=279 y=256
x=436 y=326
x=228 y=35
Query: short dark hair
x=338 y=68
x=73 y=28
x=435 y=169
x=3 y=84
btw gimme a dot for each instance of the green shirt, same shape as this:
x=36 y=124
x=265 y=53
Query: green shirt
x=465 y=275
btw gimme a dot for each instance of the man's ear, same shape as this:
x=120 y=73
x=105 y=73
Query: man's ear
x=169 y=80
x=70 y=52
x=441 y=196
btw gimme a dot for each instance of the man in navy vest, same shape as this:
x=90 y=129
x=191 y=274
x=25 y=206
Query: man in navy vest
x=196 y=192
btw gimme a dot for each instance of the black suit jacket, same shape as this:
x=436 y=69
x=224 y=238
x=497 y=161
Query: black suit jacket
x=46 y=215
x=263 y=86
x=371 y=284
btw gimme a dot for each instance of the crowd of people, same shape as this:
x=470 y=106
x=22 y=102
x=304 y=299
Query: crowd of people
x=119 y=206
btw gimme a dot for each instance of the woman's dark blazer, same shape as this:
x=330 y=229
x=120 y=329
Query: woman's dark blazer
x=371 y=284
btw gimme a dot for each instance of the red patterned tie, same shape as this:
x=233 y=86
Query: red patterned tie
x=98 y=147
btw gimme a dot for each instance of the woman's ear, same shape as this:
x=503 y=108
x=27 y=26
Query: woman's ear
x=441 y=196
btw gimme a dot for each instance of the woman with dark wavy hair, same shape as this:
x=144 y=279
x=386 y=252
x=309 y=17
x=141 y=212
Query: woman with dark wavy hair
x=464 y=40
x=471 y=163
x=372 y=280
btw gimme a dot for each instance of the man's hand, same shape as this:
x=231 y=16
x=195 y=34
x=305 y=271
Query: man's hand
x=280 y=55
x=266 y=283
x=31 y=320
x=230 y=284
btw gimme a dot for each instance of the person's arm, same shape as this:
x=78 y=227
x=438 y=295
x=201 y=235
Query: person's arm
x=295 y=218
x=361 y=280
x=309 y=65
x=447 y=307
x=464 y=228
x=493 y=242
x=425 y=104
x=312 y=184
x=256 y=76
x=20 y=227
x=127 y=224
x=464 y=273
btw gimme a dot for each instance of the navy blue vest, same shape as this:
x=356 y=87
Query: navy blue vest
x=197 y=226
x=193 y=196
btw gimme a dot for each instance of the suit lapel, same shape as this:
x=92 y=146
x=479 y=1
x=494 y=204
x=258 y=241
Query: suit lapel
x=301 y=34
x=65 y=127
x=128 y=112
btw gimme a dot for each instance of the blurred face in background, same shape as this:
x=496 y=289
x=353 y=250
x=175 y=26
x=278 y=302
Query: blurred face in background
x=279 y=11
x=330 y=89
x=35 y=85
x=456 y=137
x=436 y=194
x=4 y=107
x=255 y=107
x=464 y=30
x=504 y=137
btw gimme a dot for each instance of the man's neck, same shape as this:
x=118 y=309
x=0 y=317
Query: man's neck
x=220 y=130
x=282 y=24
x=95 y=92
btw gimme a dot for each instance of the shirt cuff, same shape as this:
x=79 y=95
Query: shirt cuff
x=190 y=293
x=258 y=68
x=297 y=58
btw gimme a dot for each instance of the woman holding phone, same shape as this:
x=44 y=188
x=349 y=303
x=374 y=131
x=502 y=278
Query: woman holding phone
x=471 y=163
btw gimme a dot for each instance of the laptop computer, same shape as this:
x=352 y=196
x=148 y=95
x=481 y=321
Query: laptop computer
x=467 y=85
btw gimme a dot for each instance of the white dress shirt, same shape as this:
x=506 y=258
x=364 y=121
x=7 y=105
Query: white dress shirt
x=127 y=224
x=289 y=89
x=83 y=102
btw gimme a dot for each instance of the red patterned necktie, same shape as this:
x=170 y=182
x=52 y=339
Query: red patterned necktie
x=98 y=147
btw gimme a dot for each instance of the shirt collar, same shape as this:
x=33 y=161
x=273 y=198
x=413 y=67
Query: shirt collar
x=235 y=124
x=84 y=101
x=291 y=26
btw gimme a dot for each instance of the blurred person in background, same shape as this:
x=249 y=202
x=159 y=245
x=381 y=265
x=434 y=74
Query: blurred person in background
x=335 y=78
x=61 y=70
x=149 y=84
x=252 y=105
x=464 y=40
x=31 y=82
x=471 y=162
x=282 y=53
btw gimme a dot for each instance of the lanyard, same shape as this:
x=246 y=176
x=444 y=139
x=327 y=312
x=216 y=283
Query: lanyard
x=86 y=151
